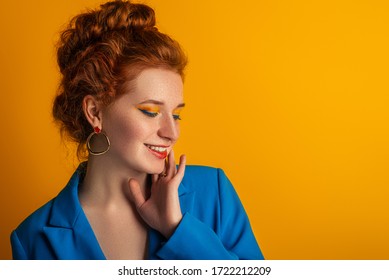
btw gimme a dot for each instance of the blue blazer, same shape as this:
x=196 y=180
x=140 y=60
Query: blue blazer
x=214 y=224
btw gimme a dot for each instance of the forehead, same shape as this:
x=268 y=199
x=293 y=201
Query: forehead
x=157 y=84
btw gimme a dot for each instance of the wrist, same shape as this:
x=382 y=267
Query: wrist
x=168 y=232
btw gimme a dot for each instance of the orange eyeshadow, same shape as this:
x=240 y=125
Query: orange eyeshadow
x=152 y=109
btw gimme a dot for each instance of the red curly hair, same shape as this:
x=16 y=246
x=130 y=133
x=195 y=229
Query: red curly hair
x=103 y=50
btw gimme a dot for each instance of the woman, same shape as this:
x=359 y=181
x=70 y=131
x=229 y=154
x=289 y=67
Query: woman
x=120 y=97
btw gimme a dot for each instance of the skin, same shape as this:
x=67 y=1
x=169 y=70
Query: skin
x=116 y=194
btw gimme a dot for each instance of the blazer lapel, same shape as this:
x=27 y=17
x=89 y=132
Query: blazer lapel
x=186 y=198
x=69 y=232
x=78 y=243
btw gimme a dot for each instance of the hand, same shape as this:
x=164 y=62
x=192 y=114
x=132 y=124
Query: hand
x=161 y=210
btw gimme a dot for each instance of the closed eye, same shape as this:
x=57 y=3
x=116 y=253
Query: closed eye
x=148 y=113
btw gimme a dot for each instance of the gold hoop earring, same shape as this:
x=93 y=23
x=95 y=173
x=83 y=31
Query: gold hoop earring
x=94 y=137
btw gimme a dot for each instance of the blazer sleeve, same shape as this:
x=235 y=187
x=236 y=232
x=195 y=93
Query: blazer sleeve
x=194 y=239
x=18 y=252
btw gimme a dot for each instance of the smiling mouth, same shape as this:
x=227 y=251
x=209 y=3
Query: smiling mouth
x=158 y=151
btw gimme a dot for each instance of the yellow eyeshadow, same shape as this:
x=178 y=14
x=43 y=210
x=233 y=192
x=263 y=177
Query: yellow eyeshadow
x=151 y=109
x=177 y=111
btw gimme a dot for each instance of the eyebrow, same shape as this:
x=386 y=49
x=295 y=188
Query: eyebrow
x=156 y=102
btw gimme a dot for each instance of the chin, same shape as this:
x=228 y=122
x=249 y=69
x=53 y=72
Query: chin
x=154 y=168
x=156 y=171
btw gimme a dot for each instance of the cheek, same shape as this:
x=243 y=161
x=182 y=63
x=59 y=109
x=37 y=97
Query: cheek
x=126 y=132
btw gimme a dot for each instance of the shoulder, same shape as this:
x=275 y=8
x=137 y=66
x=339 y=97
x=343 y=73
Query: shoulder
x=31 y=228
x=204 y=177
x=196 y=173
x=200 y=171
x=38 y=217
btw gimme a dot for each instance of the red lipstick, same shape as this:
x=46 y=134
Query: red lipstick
x=160 y=155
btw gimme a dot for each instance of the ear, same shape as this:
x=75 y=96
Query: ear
x=92 y=110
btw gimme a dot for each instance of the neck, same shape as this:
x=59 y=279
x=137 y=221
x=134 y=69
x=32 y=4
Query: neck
x=106 y=183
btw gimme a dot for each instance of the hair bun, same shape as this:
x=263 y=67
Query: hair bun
x=88 y=28
x=123 y=14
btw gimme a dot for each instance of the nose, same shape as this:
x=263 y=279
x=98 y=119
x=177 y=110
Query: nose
x=169 y=129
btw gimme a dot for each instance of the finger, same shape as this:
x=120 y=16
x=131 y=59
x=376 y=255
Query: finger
x=154 y=178
x=136 y=195
x=171 y=165
x=181 y=169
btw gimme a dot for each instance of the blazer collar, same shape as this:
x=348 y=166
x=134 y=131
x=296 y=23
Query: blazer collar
x=66 y=206
x=69 y=227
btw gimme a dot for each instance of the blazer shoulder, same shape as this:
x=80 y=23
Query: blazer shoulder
x=199 y=177
x=34 y=223
x=200 y=172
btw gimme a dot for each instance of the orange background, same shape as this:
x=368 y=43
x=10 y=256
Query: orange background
x=290 y=98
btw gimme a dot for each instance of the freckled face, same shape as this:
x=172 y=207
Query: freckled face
x=143 y=124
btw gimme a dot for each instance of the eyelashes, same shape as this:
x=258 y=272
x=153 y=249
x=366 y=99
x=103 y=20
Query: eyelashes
x=153 y=113
x=149 y=113
x=177 y=117
x=176 y=114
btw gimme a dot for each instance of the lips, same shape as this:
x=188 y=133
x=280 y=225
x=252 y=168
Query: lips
x=159 y=151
